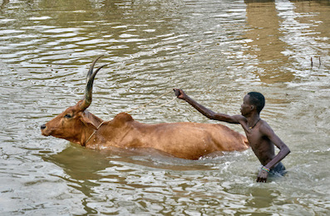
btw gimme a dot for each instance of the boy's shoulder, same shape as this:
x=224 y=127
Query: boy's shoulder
x=240 y=118
x=265 y=128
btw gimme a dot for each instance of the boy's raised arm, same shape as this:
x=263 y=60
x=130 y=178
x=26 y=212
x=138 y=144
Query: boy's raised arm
x=205 y=111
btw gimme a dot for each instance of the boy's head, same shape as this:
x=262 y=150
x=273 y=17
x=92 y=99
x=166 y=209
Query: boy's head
x=257 y=99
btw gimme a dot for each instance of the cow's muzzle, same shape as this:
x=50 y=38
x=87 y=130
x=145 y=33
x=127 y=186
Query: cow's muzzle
x=43 y=130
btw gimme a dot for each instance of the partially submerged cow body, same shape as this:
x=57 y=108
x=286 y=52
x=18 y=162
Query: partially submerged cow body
x=186 y=140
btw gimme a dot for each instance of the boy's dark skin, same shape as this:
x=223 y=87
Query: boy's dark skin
x=260 y=135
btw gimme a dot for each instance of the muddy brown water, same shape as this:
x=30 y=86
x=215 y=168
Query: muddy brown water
x=217 y=51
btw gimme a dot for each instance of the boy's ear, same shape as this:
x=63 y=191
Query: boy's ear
x=252 y=107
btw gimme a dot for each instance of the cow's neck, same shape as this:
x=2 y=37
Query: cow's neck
x=90 y=130
x=93 y=133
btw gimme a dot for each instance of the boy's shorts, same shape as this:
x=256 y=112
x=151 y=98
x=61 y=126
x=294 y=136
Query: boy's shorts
x=278 y=170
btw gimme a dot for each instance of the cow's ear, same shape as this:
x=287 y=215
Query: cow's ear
x=87 y=121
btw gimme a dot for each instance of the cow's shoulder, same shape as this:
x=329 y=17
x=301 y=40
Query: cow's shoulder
x=122 y=118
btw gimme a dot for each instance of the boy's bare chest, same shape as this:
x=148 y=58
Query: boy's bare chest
x=255 y=138
x=260 y=144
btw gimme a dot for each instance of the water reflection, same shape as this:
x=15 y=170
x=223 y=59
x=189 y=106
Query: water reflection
x=276 y=32
x=266 y=45
x=3 y=4
x=303 y=22
x=79 y=163
x=262 y=198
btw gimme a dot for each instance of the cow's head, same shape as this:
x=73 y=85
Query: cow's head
x=75 y=124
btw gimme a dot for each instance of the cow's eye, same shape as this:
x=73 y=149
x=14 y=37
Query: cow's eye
x=68 y=116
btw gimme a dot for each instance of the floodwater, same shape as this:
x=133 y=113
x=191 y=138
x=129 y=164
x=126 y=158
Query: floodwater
x=217 y=51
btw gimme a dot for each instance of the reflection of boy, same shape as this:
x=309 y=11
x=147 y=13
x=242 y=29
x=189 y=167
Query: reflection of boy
x=260 y=135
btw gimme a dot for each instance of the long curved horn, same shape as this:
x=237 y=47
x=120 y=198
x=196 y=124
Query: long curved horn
x=89 y=86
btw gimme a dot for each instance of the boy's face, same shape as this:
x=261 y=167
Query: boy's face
x=246 y=107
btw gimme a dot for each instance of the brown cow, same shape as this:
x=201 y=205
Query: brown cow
x=186 y=140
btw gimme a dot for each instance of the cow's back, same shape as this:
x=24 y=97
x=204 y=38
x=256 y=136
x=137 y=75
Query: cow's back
x=191 y=140
x=186 y=140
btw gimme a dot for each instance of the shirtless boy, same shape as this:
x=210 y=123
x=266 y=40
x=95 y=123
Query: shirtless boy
x=260 y=135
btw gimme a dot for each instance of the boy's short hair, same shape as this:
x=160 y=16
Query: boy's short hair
x=257 y=99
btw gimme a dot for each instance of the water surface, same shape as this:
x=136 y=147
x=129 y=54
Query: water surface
x=217 y=51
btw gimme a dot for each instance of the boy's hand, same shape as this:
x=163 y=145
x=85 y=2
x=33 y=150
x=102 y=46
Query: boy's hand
x=262 y=176
x=180 y=94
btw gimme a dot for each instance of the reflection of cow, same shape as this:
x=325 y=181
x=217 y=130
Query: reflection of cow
x=184 y=139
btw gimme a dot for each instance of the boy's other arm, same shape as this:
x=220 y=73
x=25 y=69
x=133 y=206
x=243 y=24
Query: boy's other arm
x=284 y=149
x=266 y=130
x=235 y=119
